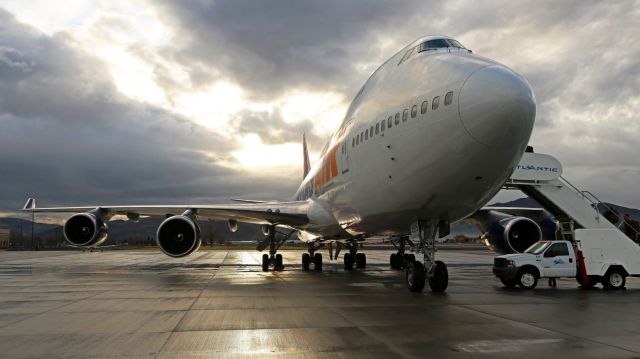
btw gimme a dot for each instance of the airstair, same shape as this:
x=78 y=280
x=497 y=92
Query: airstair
x=540 y=177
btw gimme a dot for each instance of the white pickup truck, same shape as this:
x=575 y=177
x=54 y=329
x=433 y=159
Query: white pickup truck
x=608 y=258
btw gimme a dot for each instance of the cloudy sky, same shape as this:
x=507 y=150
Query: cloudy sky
x=201 y=101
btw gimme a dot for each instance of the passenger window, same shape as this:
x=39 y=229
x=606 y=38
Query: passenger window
x=382 y=123
x=371 y=132
x=414 y=111
x=353 y=142
x=448 y=98
x=390 y=122
x=357 y=140
x=361 y=137
x=405 y=115
x=377 y=128
x=435 y=103
x=423 y=108
x=366 y=135
x=397 y=118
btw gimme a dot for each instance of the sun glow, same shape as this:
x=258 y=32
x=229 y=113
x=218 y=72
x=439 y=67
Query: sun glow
x=256 y=154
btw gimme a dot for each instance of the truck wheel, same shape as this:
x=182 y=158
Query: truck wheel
x=614 y=279
x=508 y=283
x=527 y=279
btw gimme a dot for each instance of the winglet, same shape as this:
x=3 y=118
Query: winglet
x=305 y=153
x=31 y=204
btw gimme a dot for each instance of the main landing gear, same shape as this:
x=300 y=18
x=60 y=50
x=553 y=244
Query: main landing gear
x=416 y=273
x=353 y=257
x=312 y=257
x=273 y=258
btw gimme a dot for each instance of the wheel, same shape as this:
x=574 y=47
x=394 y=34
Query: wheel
x=527 y=279
x=265 y=262
x=614 y=279
x=361 y=260
x=414 y=277
x=348 y=261
x=397 y=261
x=278 y=265
x=440 y=279
x=508 y=283
x=306 y=260
x=392 y=260
x=317 y=262
x=411 y=258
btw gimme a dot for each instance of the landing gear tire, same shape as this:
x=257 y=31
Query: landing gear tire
x=414 y=277
x=508 y=283
x=278 y=265
x=440 y=280
x=265 y=262
x=306 y=260
x=348 y=261
x=396 y=260
x=409 y=258
x=361 y=260
x=527 y=279
x=317 y=262
x=614 y=279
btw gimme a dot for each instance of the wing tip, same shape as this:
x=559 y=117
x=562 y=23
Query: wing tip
x=30 y=205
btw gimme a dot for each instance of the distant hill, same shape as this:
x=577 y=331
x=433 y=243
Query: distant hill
x=528 y=202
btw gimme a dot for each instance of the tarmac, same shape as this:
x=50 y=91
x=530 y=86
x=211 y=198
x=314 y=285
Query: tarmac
x=219 y=304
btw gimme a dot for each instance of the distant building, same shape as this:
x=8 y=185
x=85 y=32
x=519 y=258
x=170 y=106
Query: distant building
x=5 y=233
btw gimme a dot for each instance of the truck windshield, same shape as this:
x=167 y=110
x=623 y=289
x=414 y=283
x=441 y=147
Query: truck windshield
x=538 y=247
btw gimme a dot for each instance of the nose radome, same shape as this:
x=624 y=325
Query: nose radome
x=497 y=107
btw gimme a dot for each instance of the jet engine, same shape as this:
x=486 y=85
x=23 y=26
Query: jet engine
x=85 y=229
x=178 y=236
x=513 y=235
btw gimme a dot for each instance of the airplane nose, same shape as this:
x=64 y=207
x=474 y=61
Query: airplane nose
x=497 y=107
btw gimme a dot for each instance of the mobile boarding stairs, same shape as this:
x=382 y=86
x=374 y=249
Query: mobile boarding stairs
x=539 y=176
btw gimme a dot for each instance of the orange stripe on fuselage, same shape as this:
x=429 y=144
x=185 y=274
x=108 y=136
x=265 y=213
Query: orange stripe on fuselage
x=329 y=168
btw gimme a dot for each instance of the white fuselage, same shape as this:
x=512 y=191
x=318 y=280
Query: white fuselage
x=442 y=164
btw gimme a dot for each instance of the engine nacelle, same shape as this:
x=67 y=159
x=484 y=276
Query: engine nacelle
x=84 y=230
x=513 y=235
x=178 y=236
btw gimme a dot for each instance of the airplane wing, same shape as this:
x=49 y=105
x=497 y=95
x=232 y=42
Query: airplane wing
x=284 y=213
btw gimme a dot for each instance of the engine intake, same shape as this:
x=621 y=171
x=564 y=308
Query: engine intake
x=513 y=235
x=178 y=236
x=85 y=229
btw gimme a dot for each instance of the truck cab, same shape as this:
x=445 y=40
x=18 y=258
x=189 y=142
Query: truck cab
x=544 y=259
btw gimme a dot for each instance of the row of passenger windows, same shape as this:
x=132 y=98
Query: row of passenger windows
x=391 y=121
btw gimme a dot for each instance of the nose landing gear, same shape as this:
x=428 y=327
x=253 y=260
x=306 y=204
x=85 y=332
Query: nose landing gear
x=416 y=273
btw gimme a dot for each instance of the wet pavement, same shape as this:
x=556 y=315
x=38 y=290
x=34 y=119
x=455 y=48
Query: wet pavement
x=219 y=304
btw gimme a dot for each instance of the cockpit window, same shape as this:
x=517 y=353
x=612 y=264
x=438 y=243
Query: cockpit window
x=439 y=43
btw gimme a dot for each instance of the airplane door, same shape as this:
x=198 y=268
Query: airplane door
x=344 y=158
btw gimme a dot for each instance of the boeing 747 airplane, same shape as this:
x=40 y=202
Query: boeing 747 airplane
x=429 y=139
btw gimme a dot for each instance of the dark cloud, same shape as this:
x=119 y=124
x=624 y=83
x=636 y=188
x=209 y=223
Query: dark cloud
x=68 y=137
x=271 y=46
